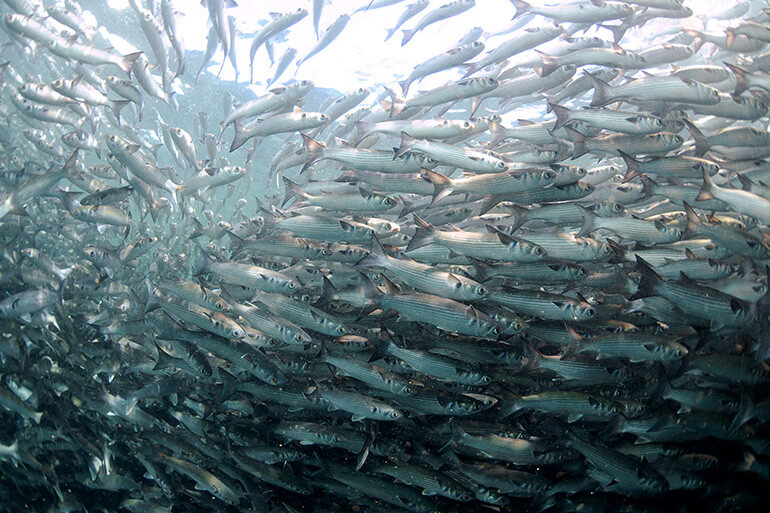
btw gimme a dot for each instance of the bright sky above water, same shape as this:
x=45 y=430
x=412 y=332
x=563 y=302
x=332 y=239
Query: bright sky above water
x=359 y=56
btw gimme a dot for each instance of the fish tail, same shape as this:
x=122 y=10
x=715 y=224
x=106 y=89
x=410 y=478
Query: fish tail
x=442 y=186
x=562 y=115
x=632 y=166
x=589 y=221
x=371 y=294
x=396 y=104
x=601 y=91
x=745 y=412
x=650 y=280
x=697 y=39
x=575 y=345
x=648 y=184
x=383 y=345
x=363 y=130
x=408 y=35
x=618 y=31
x=202 y=261
x=241 y=136
x=116 y=107
x=376 y=255
x=127 y=62
x=701 y=143
x=549 y=64
x=509 y=406
x=496 y=132
x=197 y=229
x=707 y=189
x=578 y=141
x=531 y=357
x=152 y=302
x=328 y=292
x=407 y=143
x=482 y=269
x=521 y=7
x=740 y=78
x=475 y=104
x=404 y=85
x=315 y=151
x=164 y=360
x=293 y=190
x=423 y=235
x=471 y=69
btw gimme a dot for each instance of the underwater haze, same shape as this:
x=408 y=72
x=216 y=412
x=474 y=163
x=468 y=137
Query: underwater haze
x=384 y=256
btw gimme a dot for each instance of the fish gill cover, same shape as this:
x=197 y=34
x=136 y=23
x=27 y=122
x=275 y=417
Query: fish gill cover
x=384 y=256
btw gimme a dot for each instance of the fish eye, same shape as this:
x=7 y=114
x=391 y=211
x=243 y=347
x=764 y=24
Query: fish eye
x=292 y=285
x=341 y=330
x=394 y=414
x=539 y=251
x=481 y=291
x=591 y=311
x=501 y=165
x=466 y=124
x=458 y=285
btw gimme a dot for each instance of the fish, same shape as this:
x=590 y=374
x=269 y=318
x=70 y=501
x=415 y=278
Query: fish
x=539 y=283
x=330 y=34
x=410 y=12
x=441 y=13
x=279 y=23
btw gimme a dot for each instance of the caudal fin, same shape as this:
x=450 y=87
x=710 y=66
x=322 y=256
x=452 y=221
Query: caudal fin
x=442 y=186
x=632 y=166
x=522 y=8
x=127 y=62
x=578 y=142
x=376 y=256
x=701 y=143
x=693 y=221
x=116 y=106
x=707 y=189
x=407 y=143
x=241 y=136
x=589 y=221
x=740 y=78
x=423 y=235
x=293 y=190
x=562 y=115
x=202 y=261
x=315 y=151
x=408 y=35
x=650 y=279
x=601 y=91
x=549 y=64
